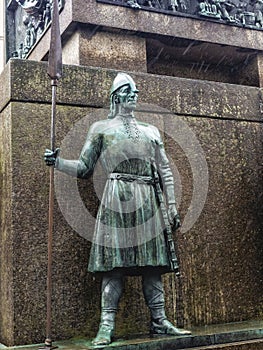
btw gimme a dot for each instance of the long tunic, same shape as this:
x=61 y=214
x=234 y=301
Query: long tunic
x=129 y=226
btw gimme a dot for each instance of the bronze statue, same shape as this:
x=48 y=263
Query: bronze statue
x=128 y=237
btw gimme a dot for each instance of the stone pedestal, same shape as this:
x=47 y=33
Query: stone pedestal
x=200 y=84
x=220 y=253
x=105 y=49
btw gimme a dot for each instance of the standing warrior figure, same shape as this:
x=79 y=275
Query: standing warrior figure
x=128 y=238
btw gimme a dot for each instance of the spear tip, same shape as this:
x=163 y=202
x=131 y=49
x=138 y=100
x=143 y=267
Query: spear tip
x=55 y=51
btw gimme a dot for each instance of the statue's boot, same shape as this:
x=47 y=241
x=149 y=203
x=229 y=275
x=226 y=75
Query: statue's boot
x=111 y=291
x=154 y=297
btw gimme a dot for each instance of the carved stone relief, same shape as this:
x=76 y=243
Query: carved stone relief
x=32 y=17
x=36 y=18
x=246 y=13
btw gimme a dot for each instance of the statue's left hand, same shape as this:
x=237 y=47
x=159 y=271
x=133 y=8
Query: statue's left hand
x=174 y=217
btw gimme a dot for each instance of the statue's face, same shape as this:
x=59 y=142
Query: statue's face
x=127 y=97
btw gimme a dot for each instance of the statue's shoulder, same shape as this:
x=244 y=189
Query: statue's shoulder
x=150 y=128
x=98 y=126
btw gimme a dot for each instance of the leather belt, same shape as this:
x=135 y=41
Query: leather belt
x=132 y=177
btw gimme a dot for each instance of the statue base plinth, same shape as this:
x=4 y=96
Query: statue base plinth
x=232 y=336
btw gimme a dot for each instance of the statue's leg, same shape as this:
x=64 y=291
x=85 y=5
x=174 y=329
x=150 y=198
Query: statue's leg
x=111 y=291
x=154 y=297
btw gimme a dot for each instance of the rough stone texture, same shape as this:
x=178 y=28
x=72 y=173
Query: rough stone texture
x=180 y=96
x=6 y=237
x=145 y=22
x=222 y=271
x=150 y=22
x=202 y=60
x=255 y=345
x=221 y=255
x=260 y=69
x=102 y=49
x=249 y=73
x=29 y=181
x=5 y=92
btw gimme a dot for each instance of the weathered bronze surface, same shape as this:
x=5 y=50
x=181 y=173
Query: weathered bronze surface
x=129 y=234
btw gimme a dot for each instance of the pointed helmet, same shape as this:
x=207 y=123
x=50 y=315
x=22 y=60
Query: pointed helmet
x=121 y=80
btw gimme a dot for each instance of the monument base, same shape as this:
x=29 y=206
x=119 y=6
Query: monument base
x=221 y=254
x=232 y=336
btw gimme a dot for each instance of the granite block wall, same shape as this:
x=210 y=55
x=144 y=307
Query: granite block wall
x=212 y=129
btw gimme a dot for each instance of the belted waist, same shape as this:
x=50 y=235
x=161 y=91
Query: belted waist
x=149 y=180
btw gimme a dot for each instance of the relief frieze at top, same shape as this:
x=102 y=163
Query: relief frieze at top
x=244 y=13
x=30 y=19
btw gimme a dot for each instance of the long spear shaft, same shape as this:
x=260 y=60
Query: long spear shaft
x=48 y=341
x=54 y=72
